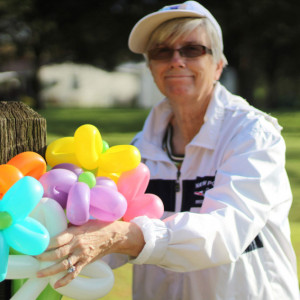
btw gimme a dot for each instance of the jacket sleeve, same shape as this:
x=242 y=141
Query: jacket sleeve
x=250 y=183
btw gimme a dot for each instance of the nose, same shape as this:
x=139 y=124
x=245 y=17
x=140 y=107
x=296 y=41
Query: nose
x=177 y=60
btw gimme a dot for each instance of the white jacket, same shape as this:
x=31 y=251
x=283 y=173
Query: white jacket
x=225 y=234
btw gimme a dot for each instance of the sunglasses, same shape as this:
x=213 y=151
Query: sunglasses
x=189 y=51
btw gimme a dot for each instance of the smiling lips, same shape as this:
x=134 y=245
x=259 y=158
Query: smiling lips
x=177 y=76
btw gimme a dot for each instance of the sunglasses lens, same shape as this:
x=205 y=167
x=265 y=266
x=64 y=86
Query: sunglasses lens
x=189 y=51
x=160 y=53
x=192 y=51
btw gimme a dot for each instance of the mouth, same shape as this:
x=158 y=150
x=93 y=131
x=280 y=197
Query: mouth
x=177 y=76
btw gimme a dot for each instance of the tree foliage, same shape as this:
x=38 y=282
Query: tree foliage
x=261 y=38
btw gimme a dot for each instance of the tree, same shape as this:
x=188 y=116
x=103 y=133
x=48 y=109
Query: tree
x=260 y=37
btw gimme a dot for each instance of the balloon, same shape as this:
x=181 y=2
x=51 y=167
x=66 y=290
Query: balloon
x=29 y=163
x=8 y=176
x=105 y=146
x=87 y=150
x=24 y=164
x=57 y=184
x=61 y=151
x=88 y=178
x=78 y=203
x=132 y=185
x=107 y=204
x=148 y=205
x=71 y=167
x=18 y=230
x=118 y=159
x=112 y=176
x=105 y=181
x=84 y=196
x=134 y=182
x=88 y=145
x=98 y=280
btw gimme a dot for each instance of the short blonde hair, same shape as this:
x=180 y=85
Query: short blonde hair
x=176 y=28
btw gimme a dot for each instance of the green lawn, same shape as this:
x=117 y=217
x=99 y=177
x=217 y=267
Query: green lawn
x=118 y=126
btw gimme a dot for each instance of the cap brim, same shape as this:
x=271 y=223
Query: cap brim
x=141 y=32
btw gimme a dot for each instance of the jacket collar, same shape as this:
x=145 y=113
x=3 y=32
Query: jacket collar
x=159 y=117
x=209 y=133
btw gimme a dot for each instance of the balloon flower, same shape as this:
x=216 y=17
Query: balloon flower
x=94 y=281
x=88 y=151
x=24 y=164
x=17 y=229
x=83 y=195
x=133 y=184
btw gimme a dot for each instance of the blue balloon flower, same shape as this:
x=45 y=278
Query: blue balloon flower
x=17 y=230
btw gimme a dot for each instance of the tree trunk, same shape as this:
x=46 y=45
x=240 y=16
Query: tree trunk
x=21 y=129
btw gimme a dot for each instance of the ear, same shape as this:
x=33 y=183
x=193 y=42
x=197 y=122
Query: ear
x=219 y=70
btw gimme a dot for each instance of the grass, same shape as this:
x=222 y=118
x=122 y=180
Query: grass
x=118 y=126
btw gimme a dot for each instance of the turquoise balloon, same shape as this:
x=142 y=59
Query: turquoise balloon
x=28 y=236
x=4 y=251
x=22 y=197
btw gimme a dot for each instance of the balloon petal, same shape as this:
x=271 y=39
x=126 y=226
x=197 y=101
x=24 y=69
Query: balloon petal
x=29 y=163
x=9 y=175
x=134 y=182
x=105 y=181
x=78 y=203
x=98 y=281
x=4 y=251
x=22 y=266
x=57 y=183
x=61 y=151
x=121 y=158
x=71 y=167
x=148 y=205
x=27 y=236
x=88 y=146
x=50 y=214
x=31 y=289
x=107 y=204
x=22 y=197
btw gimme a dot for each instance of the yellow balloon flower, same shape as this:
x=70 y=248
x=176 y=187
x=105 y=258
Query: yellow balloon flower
x=88 y=151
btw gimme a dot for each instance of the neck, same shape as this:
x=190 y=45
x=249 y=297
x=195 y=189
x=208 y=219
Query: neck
x=187 y=120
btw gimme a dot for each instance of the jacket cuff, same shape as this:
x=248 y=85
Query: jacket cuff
x=156 y=237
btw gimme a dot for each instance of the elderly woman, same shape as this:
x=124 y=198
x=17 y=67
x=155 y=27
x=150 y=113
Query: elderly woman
x=218 y=165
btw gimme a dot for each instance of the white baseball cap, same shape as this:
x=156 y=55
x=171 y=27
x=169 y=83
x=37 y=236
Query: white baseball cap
x=141 y=32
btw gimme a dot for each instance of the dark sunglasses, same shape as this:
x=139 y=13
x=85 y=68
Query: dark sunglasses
x=190 y=51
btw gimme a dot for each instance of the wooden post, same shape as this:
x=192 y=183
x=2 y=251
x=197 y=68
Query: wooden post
x=21 y=129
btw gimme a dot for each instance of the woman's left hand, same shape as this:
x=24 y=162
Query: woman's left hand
x=79 y=245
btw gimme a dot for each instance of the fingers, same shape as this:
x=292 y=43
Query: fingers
x=58 y=253
x=70 y=276
x=60 y=240
x=64 y=265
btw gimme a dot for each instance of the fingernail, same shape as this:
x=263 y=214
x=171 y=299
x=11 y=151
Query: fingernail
x=57 y=285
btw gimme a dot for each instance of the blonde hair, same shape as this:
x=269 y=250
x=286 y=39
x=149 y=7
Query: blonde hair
x=176 y=28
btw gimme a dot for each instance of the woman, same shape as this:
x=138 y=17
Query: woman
x=218 y=165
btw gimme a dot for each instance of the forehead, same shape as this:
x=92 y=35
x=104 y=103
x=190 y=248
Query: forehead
x=196 y=36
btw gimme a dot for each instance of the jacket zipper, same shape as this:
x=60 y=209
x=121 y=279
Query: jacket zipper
x=177 y=185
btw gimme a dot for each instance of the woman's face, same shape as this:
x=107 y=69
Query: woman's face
x=186 y=79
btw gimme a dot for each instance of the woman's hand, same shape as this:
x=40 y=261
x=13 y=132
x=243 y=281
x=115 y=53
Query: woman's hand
x=80 y=245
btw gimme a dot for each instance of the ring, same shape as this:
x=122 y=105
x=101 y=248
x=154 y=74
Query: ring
x=71 y=267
